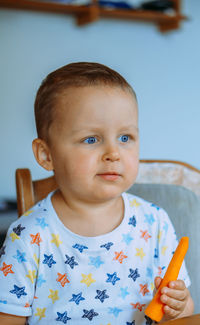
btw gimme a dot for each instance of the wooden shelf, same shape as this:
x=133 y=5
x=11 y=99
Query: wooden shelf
x=88 y=14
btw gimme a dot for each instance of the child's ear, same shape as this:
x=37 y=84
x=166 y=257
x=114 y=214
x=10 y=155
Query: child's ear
x=42 y=154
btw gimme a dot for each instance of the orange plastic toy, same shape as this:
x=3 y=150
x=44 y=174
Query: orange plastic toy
x=155 y=308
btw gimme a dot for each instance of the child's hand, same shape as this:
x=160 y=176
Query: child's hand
x=176 y=299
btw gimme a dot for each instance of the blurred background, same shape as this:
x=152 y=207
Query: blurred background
x=163 y=69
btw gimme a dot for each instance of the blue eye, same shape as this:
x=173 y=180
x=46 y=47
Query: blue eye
x=90 y=140
x=124 y=138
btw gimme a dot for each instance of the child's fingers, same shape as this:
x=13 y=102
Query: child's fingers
x=176 y=294
x=173 y=303
x=178 y=284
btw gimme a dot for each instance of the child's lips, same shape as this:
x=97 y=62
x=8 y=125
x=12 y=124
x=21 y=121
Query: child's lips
x=110 y=176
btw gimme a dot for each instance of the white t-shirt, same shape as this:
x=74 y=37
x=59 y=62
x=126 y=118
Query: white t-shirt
x=54 y=276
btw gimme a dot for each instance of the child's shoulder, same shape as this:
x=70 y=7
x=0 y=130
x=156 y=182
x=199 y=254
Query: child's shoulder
x=143 y=207
x=33 y=221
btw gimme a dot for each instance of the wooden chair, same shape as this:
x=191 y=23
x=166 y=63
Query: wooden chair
x=30 y=192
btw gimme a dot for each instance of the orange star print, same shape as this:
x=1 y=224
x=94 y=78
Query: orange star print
x=6 y=269
x=145 y=235
x=119 y=256
x=36 y=239
x=138 y=306
x=144 y=289
x=62 y=278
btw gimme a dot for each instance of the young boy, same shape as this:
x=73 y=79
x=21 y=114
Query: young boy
x=89 y=253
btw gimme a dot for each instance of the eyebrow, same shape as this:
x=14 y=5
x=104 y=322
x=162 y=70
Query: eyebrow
x=85 y=128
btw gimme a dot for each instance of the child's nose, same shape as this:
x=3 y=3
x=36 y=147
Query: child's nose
x=111 y=154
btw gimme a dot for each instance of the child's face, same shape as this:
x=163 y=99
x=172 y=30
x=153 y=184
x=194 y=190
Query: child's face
x=94 y=143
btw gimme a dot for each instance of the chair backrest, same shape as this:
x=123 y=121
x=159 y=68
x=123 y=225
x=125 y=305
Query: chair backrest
x=30 y=192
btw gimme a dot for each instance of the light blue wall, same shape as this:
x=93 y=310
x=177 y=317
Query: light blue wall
x=163 y=69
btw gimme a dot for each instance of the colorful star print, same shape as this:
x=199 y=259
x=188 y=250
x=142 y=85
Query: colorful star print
x=149 y=218
x=134 y=203
x=62 y=278
x=49 y=260
x=95 y=261
x=80 y=247
x=6 y=269
x=127 y=238
x=53 y=295
x=89 y=314
x=17 y=230
x=41 y=222
x=144 y=289
x=55 y=240
x=107 y=246
x=31 y=275
x=63 y=317
x=70 y=261
x=14 y=236
x=77 y=298
x=87 y=279
x=36 y=239
x=20 y=257
x=132 y=221
x=101 y=295
x=112 y=278
x=124 y=292
x=145 y=235
x=134 y=274
x=40 y=313
x=119 y=256
x=138 y=306
x=115 y=311
x=140 y=253
x=18 y=291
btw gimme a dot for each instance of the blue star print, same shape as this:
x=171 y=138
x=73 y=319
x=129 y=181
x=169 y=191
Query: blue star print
x=41 y=222
x=70 y=261
x=17 y=230
x=101 y=295
x=40 y=280
x=115 y=311
x=149 y=218
x=112 y=278
x=165 y=228
x=49 y=260
x=89 y=314
x=132 y=221
x=124 y=292
x=127 y=238
x=80 y=247
x=63 y=317
x=77 y=298
x=3 y=302
x=134 y=274
x=18 y=291
x=96 y=261
x=107 y=246
x=20 y=256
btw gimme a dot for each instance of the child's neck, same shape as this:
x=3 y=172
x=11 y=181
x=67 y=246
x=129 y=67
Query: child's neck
x=89 y=220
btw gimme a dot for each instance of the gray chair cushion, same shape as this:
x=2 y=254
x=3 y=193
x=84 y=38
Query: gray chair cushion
x=183 y=208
